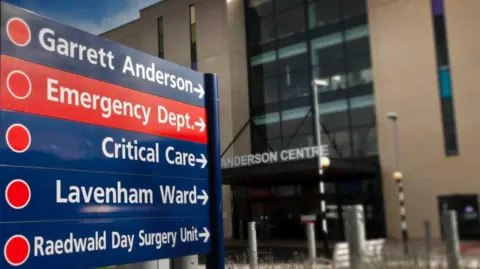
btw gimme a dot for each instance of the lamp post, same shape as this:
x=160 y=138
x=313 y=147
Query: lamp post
x=322 y=161
x=398 y=177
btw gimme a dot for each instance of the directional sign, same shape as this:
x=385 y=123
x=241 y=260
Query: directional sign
x=46 y=142
x=106 y=157
x=40 y=40
x=46 y=194
x=86 y=244
x=77 y=98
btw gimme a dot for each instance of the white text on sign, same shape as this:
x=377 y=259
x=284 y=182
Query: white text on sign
x=49 y=41
x=59 y=92
x=184 y=158
x=179 y=121
x=131 y=150
x=102 y=241
x=117 y=194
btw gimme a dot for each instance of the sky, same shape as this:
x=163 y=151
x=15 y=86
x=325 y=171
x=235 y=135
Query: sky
x=93 y=16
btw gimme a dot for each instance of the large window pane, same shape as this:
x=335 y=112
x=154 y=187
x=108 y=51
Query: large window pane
x=265 y=64
x=323 y=12
x=298 y=141
x=365 y=141
x=327 y=49
x=284 y=4
x=290 y=22
x=294 y=84
x=264 y=91
x=297 y=122
x=357 y=40
x=341 y=140
x=261 y=31
x=359 y=70
x=261 y=8
x=353 y=8
x=362 y=111
x=335 y=121
x=333 y=75
x=274 y=144
x=268 y=125
x=360 y=77
x=292 y=58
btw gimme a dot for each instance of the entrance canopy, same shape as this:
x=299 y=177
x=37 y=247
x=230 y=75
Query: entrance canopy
x=300 y=171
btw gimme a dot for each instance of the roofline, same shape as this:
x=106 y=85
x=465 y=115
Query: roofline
x=140 y=15
x=154 y=4
x=121 y=25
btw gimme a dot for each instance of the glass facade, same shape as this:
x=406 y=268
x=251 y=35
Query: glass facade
x=292 y=42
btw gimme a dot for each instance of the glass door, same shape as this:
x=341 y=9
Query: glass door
x=261 y=219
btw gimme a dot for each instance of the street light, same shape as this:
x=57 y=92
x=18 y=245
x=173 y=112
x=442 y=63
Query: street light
x=398 y=177
x=322 y=161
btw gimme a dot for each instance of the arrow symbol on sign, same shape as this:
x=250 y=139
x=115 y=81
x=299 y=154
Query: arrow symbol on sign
x=201 y=124
x=200 y=91
x=204 y=235
x=202 y=160
x=203 y=197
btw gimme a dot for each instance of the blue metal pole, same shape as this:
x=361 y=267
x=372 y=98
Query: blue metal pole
x=216 y=257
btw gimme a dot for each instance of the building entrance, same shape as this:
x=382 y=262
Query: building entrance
x=277 y=219
x=277 y=212
x=275 y=196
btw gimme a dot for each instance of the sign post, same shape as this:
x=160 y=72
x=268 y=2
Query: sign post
x=111 y=156
x=216 y=259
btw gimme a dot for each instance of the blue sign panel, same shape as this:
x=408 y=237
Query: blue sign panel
x=50 y=194
x=33 y=38
x=95 y=243
x=69 y=145
x=107 y=156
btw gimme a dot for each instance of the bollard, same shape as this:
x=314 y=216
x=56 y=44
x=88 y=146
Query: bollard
x=451 y=239
x=186 y=262
x=252 y=245
x=428 y=243
x=355 y=234
x=312 y=249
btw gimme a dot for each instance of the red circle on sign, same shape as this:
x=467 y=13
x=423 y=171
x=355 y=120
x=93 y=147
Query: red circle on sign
x=17 y=250
x=19 y=84
x=18 y=138
x=17 y=194
x=18 y=32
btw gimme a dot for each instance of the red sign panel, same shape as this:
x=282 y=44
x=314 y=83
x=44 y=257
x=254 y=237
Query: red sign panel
x=36 y=89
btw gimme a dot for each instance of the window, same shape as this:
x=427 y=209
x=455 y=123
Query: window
x=323 y=12
x=262 y=31
x=289 y=44
x=290 y=22
x=294 y=84
x=260 y=8
x=264 y=90
x=160 y=37
x=193 y=38
x=281 y=5
x=353 y=8
x=444 y=79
